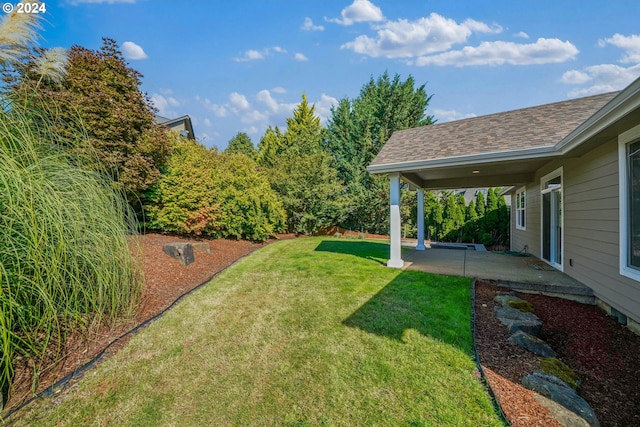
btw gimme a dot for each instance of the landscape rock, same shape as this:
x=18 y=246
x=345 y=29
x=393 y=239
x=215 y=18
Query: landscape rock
x=561 y=414
x=516 y=320
x=503 y=298
x=183 y=252
x=557 y=390
x=533 y=344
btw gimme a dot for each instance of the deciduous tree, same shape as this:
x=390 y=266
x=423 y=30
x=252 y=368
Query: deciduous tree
x=100 y=95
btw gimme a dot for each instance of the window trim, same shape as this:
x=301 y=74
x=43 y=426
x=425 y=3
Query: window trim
x=624 y=140
x=558 y=173
x=523 y=226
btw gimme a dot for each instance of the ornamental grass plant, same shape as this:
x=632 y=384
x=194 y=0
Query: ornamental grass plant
x=67 y=252
x=66 y=244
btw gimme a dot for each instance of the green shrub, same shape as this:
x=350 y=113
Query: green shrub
x=486 y=239
x=218 y=195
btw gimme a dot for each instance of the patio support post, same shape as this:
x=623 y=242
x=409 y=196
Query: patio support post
x=395 y=259
x=420 y=246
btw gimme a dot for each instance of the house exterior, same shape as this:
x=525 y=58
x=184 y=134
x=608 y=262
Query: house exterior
x=574 y=172
x=182 y=125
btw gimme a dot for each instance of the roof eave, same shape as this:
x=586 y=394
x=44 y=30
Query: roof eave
x=500 y=156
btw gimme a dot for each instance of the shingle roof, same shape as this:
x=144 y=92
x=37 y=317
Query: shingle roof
x=527 y=128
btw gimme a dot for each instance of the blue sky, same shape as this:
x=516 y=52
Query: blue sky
x=242 y=65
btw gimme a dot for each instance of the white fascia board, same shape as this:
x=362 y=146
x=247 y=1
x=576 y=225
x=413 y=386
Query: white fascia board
x=499 y=156
x=618 y=107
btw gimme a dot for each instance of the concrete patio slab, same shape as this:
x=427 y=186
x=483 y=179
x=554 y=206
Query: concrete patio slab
x=515 y=272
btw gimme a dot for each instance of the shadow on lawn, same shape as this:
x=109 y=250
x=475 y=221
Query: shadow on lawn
x=368 y=250
x=438 y=307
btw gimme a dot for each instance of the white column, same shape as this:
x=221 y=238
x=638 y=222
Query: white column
x=395 y=259
x=420 y=246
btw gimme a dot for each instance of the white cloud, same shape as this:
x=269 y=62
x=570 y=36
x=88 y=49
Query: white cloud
x=323 y=107
x=543 y=51
x=300 y=57
x=254 y=55
x=630 y=45
x=254 y=116
x=522 y=35
x=219 y=110
x=132 y=51
x=264 y=96
x=407 y=39
x=309 y=26
x=279 y=109
x=164 y=104
x=250 y=55
x=575 y=77
x=449 y=115
x=279 y=89
x=207 y=123
x=238 y=102
x=359 y=11
x=603 y=78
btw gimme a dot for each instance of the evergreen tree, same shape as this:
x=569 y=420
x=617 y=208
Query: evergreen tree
x=302 y=173
x=356 y=132
x=242 y=144
x=492 y=200
x=270 y=147
x=471 y=212
x=480 y=204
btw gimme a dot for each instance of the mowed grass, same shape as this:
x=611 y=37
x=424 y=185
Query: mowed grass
x=304 y=332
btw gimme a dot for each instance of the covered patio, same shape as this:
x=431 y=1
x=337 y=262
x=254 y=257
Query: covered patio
x=497 y=150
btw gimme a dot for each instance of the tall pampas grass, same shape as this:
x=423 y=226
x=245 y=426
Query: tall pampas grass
x=68 y=253
x=18 y=32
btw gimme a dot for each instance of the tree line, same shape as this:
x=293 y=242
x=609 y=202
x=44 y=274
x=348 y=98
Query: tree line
x=303 y=179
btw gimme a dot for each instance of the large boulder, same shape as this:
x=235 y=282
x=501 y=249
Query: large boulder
x=516 y=320
x=533 y=344
x=557 y=390
x=183 y=252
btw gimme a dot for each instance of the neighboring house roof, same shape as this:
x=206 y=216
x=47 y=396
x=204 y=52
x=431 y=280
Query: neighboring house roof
x=509 y=146
x=184 y=121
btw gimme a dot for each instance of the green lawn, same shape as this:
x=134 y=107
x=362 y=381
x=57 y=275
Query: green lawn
x=304 y=332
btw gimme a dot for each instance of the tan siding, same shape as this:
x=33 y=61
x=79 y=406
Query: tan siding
x=591 y=240
x=592 y=227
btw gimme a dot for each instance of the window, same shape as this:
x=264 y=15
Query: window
x=633 y=207
x=521 y=203
x=629 y=164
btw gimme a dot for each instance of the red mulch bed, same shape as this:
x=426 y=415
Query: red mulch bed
x=604 y=354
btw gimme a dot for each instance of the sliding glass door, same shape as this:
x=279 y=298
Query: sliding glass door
x=551 y=192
